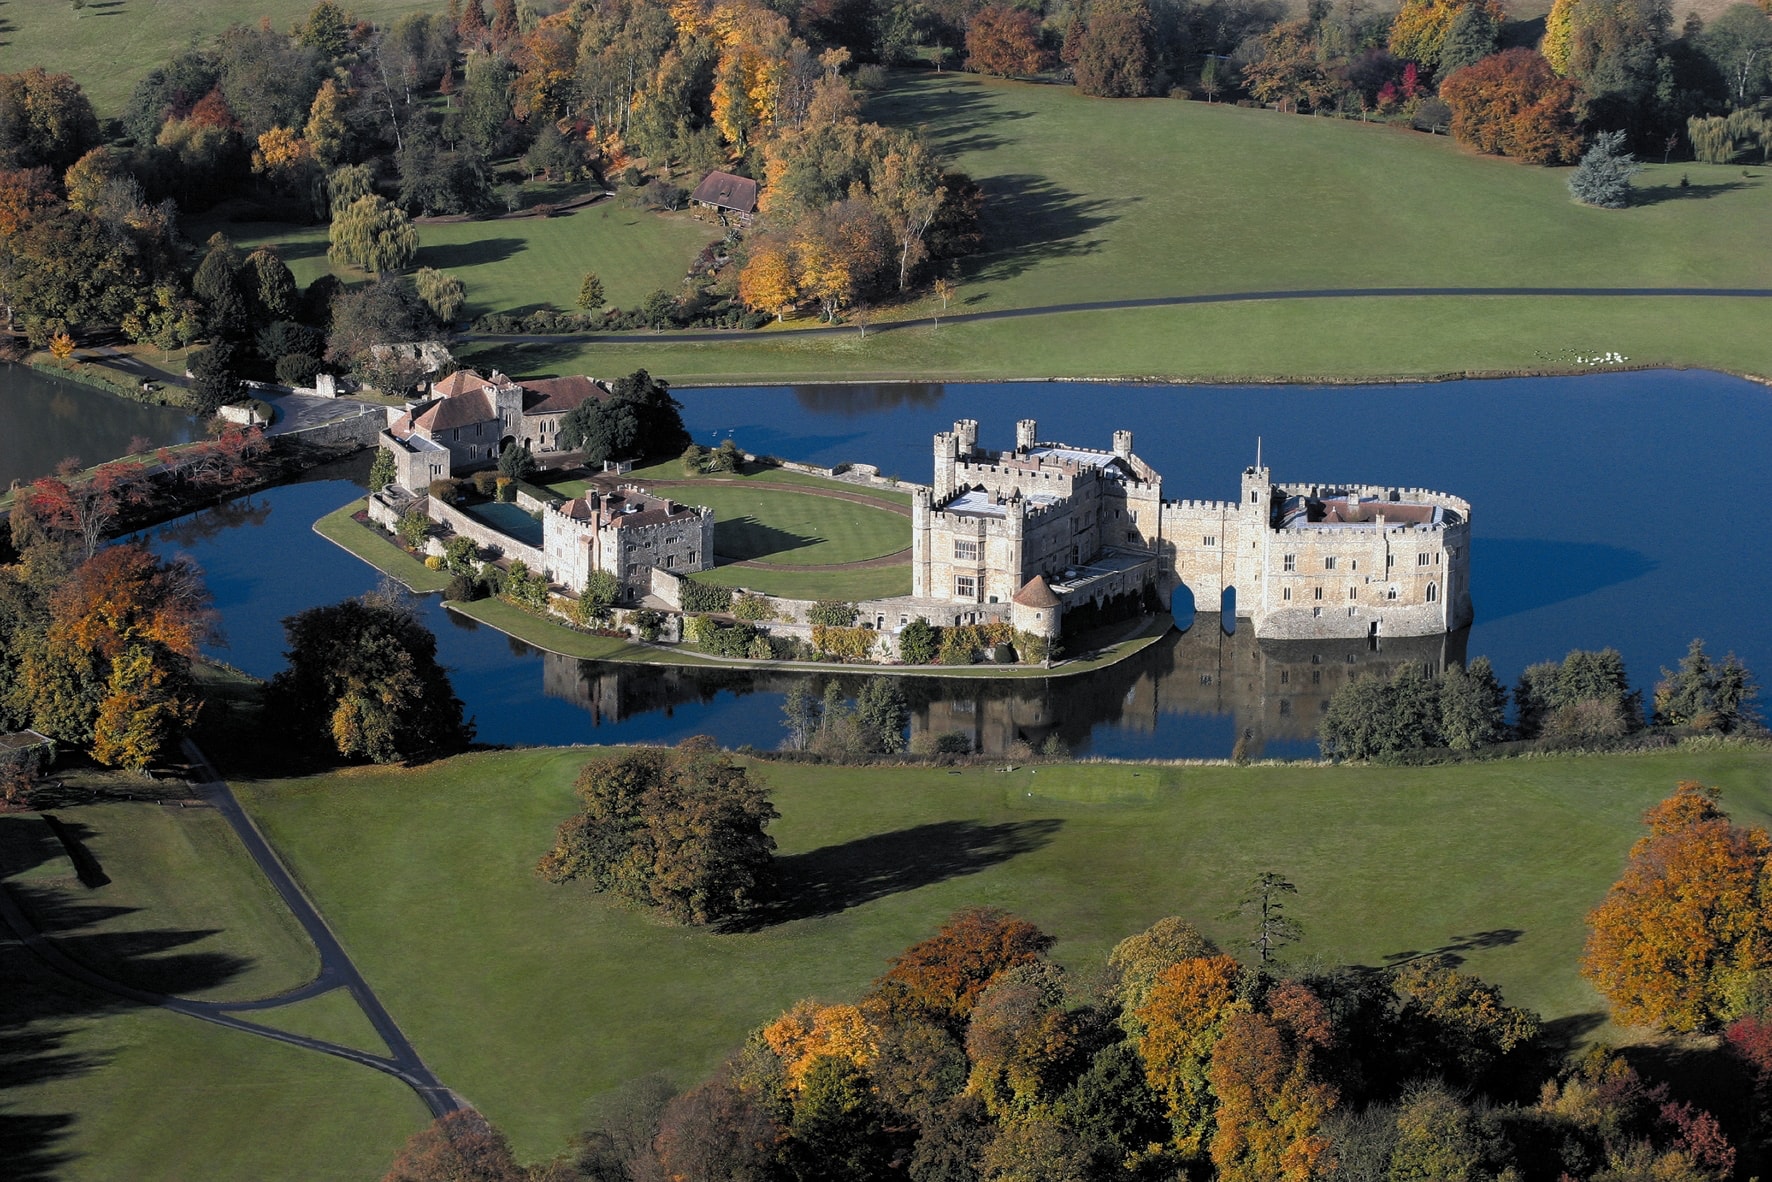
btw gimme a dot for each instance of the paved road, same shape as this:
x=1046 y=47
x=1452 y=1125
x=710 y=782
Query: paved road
x=1229 y=297
x=336 y=969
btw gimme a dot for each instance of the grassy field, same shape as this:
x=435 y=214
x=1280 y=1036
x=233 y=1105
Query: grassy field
x=110 y=44
x=519 y=264
x=534 y=999
x=98 y=1089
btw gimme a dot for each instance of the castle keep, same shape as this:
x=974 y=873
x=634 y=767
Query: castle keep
x=1062 y=526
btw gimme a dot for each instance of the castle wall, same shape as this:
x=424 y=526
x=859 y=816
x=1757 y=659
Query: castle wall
x=414 y=467
x=569 y=549
x=485 y=535
x=680 y=546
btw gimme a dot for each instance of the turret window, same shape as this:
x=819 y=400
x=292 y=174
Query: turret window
x=1290 y=563
x=1329 y=562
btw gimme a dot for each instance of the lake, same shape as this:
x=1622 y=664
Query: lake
x=44 y=419
x=1614 y=509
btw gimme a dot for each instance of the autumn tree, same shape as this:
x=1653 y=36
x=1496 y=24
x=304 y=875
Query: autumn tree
x=372 y=234
x=1456 y=1026
x=85 y=508
x=1005 y=41
x=461 y=1146
x=1109 y=49
x=1023 y=1043
x=940 y=978
x=681 y=830
x=810 y=1031
x=1183 y=1016
x=1137 y=962
x=1514 y=104
x=1272 y=1099
x=363 y=680
x=1422 y=28
x=590 y=292
x=1684 y=930
x=112 y=668
x=45 y=119
x=1289 y=71
x=767 y=282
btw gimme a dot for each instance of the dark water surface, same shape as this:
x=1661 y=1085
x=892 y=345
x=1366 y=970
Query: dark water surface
x=44 y=420
x=1608 y=510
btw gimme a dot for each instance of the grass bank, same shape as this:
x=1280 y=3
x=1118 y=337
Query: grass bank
x=532 y=998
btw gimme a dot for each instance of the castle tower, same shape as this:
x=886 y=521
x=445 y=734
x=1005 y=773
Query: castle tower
x=1027 y=433
x=966 y=434
x=1123 y=445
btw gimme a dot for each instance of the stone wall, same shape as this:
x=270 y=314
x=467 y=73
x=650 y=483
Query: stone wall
x=359 y=431
x=666 y=586
x=485 y=535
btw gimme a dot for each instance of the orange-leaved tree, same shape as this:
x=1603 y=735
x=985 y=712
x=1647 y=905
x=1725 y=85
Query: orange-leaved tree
x=767 y=282
x=1514 y=104
x=1683 y=932
x=940 y=978
x=1005 y=40
x=1182 y=1017
x=1271 y=1096
x=811 y=1031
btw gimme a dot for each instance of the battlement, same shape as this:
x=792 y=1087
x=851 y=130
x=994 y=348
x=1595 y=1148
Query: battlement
x=1201 y=506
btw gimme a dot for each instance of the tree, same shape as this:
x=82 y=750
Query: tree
x=516 y=461
x=1137 y=962
x=1265 y=906
x=269 y=288
x=363 y=680
x=918 y=642
x=1706 y=696
x=1514 y=104
x=1473 y=706
x=460 y=1146
x=215 y=378
x=1110 y=52
x=639 y=419
x=1288 y=72
x=442 y=293
x=682 y=830
x=598 y=596
x=767 y=282
x=940 y=979
x=381 y=470
x=61 y=347
x=1739 y=42
x=388 y=311
x=1005 y=41
x=1471 y=37
x=1423 y=27
x=83 y=508
x=1457 y=1026
x=590 y=293
x=112 y=667
x=1182 y=1018
x=45 y=119
x=882 y=713
x=371 y=233
x=1603 y=177
x=837 y=1132
x=801 y=715
x=1271 y=1097
x=1689 y=922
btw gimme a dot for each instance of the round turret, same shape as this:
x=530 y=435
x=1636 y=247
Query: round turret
x=1036 y=609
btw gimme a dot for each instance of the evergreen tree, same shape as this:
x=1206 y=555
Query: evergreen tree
x=1473 y=707
x=1603 y=177
x=1705 y=695
x=1469 y=39
x=215 y=378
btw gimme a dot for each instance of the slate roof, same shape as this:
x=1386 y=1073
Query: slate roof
x=727 y=191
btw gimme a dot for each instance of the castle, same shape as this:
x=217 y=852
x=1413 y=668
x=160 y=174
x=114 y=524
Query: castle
x=1030 y=533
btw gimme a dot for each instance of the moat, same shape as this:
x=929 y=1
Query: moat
x=1607 y=510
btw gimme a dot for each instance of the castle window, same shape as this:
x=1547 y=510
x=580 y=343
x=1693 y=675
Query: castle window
x=633 y=569
x=1252 y=497
x=1390 y=560
x=1208 y=541
x=1353 y=593
x=1433 y=593
x=1329 y=563
x=966 y=549
x=1285 y=705
x=1285 y=677
x=966 y=587
x=1316 y=677
x=1423 y=558
x=1205 y=679
x=1316 y=613
x=1319 y=593
x=1391 y=594
x=1353 y=564
x=670 y=561
x=1290 y=563
x=1286 y=594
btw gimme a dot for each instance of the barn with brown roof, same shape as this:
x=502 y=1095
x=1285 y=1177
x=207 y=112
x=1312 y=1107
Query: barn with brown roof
x=729 y=196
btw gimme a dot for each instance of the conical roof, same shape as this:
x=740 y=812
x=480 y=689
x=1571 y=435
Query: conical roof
x=1035 y=593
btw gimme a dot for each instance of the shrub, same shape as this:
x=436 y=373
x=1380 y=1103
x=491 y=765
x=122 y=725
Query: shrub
x=463 y=588
x=946 y=743
x=753 y=608
x=832 y=613
x=1032 y=648
x=413 y=528
x=694 y=459
x=722 y=640
x=432 y=562
x=846 y=644
x=504 y=489
x=445 y=489
x=647 y=623
x=462 y=556
x=918 y=642
x=486 y=482
x=699 y=598
x=297 y=369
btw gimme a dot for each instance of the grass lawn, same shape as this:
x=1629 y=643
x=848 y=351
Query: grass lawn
x=375 y=547
x=110 y=44
x=878 y=582
x=1302 y=340
x=673 y=470
x=518 y=264
x=97 y=1088
x=533 y=999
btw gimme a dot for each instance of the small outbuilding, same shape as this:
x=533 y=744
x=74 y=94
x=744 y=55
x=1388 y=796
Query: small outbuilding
x=732 y=198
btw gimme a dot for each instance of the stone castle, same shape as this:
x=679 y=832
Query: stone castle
x=1027 y=533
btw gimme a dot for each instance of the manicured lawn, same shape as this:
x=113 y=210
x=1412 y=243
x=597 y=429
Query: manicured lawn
x=877 y=582
x=1301 y=340
x=533 y=998
x=375 y=547
x=673 y=470
x=110 y=44
x=97 y=1088
x=519 y=264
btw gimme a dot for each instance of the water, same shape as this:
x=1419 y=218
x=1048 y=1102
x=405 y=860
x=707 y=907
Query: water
x=44 y=420
x=1609 y=510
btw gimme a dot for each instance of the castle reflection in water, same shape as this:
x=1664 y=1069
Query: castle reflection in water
x=1275 y=691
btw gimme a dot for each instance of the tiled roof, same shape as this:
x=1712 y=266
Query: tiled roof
x=1035 y=594
x=544 y=396
x=459 y=382
x=727 y=191
x=464 y=410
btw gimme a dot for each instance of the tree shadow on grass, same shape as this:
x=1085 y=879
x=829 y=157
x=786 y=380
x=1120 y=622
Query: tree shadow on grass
x=959 y=118
x=1030 y=220
x=1656 y=194
x=837 y=877
x=41 y=1010
x=1453 y=950
x=470 y=254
